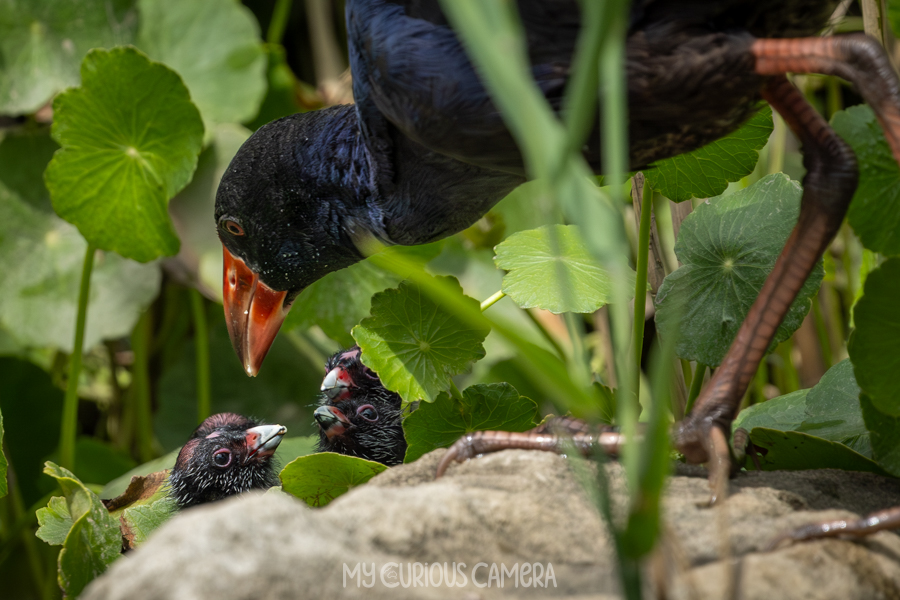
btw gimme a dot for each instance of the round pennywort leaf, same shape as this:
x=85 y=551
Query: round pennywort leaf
x=551 y=268
x=705 y=172
x=875 y=344
x=728 y=246
x=416 y=345
x=875 y=210
x=483 y=407
x=130 y=138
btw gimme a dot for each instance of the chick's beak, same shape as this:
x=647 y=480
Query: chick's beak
x=253 y=312
x=263 y=440
x=332 y=421
x=336 y=384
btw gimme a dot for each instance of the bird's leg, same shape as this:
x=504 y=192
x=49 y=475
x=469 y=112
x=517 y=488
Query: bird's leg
x=554 y=436
x=828 y=188
x=877 y=521
x=857 y=58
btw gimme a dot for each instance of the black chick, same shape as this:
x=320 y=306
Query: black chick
x=358 y=416
x=227 y=454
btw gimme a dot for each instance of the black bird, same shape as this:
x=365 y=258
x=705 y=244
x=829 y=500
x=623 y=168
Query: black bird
x=424 y=152
x=227 y=454
x=358 y=416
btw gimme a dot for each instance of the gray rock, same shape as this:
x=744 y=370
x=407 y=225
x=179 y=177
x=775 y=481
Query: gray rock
x=510 y=509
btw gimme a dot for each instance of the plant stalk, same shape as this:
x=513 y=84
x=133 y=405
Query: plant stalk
x=640 y=286
x=278 y=23
x=494 y=299
x=70 y=403
x=201 y=341
x=696 y=385
x=140 y=386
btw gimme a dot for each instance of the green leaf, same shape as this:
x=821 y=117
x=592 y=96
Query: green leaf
x=130 y=137
x=319 y=478
x=728 y=246
x=94 y=540
x=483 y=407
x=54 y=521
x=327 y=304
x=216 y=48
x=42 y=43
x=414 y=345
x=875 y=210
x=43 y=257
x=784 y=413
x=551 y=268
x=794 y=451
x=140 y=521
x=705 y=172
x=875 y=344
x=833 y=411
x=884 y=432
x=143 y=507
x=830 y=411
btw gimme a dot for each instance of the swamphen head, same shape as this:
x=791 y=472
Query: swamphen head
x=286 y=218
x=227 y=454
x=358 y=415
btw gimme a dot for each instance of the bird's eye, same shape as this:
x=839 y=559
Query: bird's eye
x=233 y=227
x=370 y=373
x=222 y=457
x=367 y=412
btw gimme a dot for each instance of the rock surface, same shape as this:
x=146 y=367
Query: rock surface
x=510 y=509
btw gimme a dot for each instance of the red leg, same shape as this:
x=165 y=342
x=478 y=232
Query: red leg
x=544 y=437
x=878 y=521
x=828 y=188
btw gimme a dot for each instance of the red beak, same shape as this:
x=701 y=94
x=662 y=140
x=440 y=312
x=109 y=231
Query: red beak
x=253 y=312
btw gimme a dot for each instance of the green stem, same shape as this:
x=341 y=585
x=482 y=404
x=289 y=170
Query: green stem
x=822 y=330
x=777 y=145
x=70 y=404
x=696 y=384
x=140 y=345
x=640 y=286
x=201 y=340
x=454 y=391
x=547 y=335
x=494 y=299
x=278 y=24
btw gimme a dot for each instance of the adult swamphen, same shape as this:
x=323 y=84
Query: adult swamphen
x=424 y=153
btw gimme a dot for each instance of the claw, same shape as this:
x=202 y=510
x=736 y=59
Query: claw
x=460 y=451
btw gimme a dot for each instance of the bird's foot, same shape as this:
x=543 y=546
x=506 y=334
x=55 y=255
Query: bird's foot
x=878 y=521
x=703 y=441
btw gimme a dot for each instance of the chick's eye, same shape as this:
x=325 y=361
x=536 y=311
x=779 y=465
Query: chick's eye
x=370 y=373
x=368 y=413
x=233 y=227
x=222 y=457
